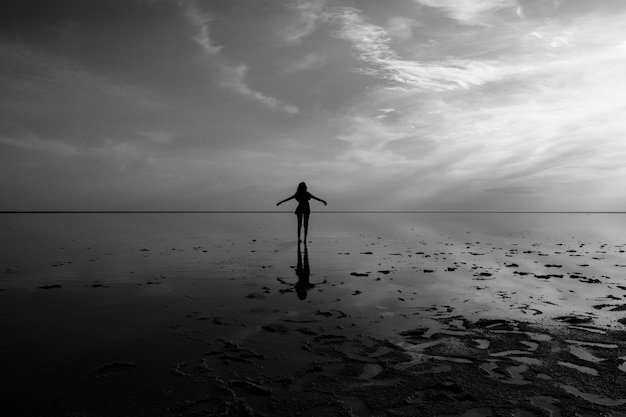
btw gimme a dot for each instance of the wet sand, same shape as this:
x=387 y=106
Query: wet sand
x=376 y=316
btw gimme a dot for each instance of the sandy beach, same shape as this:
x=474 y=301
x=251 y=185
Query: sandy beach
x=376 y=315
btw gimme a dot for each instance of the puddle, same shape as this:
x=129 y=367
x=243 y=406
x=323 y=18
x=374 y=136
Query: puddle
x=547 y=403
x=527 y=360
x=457 y=323
x=474 y=412
x=482 y=343
x=357 y=406
x=478 y=412
x=532 y=346
x=421 y=346
x=539 y=337
x=450 y=359
x=583 y=369
x=592 y=344
x=516 y=375
x=592 y=398
x=507 y=332
x=436 y=370
x=588 y=329
x=509 y=352
x=433 y=331
x=524 y=413
x=489 y=367
x=583 y=354
x=370 y=371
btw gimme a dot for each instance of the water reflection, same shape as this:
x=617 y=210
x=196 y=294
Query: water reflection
x=303 y=271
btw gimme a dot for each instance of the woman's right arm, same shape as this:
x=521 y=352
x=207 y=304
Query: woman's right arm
x=286 y=199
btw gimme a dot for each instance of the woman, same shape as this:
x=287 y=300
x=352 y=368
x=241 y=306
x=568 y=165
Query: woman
x=302 y=196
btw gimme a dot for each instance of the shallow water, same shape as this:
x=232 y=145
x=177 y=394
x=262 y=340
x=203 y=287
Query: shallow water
x=94 y=289
x=378 y=268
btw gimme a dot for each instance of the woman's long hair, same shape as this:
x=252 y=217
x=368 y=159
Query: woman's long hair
x=301 y=189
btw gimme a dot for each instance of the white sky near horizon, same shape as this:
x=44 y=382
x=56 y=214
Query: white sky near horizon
x=376 y=104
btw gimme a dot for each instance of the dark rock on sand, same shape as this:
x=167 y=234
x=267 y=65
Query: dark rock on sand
x=254 y=295
x=49 y=287
x=275 y=328
x=218 y=321
x=251 y=387
x=415 y=332
x=548 y=276
x=307 y=331
x=591 y=280
x=114 y=366
x=574 y=319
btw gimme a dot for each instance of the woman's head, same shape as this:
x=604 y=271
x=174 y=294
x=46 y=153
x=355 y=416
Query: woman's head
x=301 y=187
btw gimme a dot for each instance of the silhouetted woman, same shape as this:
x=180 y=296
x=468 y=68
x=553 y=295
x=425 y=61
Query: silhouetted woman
x=302 y=196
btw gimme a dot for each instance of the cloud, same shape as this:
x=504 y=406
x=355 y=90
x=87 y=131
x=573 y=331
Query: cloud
x=157 y=136
x=201 y=20
x=547 y=137
x=401 y=28
x=31 y=71
x=473 y=12
x=231 y=75
x=305 y=21
x=34 y=143
x=308 y=62
x=373 y=45
x=54 y=106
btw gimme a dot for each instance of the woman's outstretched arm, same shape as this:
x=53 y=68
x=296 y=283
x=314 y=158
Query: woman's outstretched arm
x=286 y=199
x=318 y=199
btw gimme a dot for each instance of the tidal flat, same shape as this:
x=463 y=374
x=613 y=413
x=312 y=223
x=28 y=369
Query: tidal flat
x=380 y=314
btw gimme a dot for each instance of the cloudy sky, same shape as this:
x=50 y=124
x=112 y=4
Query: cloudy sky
x=376 y=104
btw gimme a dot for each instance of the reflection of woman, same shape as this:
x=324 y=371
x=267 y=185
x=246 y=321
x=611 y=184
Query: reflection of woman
x=302 y=196
x=303 y=272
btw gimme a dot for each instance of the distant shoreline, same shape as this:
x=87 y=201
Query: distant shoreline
x=289 y=211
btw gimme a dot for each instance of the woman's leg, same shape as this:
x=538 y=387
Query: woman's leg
x=300 y=225
x=306 y=225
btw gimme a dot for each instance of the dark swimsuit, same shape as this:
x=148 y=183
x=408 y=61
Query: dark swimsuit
x=303 y=203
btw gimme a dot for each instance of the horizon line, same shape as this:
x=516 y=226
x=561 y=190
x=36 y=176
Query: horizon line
x=317 y=212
